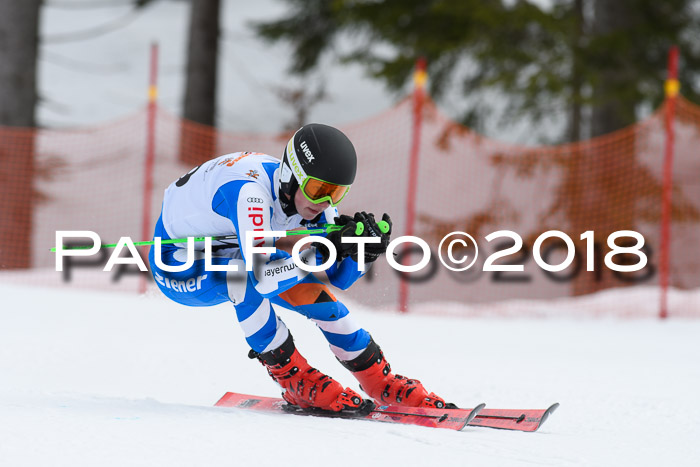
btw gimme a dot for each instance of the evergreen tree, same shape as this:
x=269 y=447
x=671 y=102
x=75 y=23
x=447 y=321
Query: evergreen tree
x=575 y=55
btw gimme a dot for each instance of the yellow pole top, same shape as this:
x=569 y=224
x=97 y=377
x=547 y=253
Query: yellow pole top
x=152 y=93
x=672 y=87
x=419 y=78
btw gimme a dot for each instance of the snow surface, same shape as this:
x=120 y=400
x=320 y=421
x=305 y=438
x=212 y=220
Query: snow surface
x=93 y=378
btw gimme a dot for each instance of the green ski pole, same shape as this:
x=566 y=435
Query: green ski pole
x=325 y=228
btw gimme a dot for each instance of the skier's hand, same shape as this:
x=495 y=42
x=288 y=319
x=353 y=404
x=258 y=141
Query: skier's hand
x=343 y=219
x=343 y=250
x=372 y=228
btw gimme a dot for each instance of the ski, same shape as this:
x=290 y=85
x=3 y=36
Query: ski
x=510 y=419
x=453 y=419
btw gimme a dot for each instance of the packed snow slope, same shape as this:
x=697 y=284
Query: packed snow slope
x=113 y=380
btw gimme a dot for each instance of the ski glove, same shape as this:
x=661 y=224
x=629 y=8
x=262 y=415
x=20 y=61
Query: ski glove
x=343 y=250
x=374 y=229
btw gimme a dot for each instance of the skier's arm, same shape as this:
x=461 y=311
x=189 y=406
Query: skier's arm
x=345 y=273
x=249 y=208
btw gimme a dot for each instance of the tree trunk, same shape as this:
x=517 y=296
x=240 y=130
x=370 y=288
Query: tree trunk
x=599 y=198
x=574 y=130
x=610 y=112
x=19 y=29
x=199 y=143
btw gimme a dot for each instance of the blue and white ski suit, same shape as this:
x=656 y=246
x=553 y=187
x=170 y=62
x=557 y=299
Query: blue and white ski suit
x=237 y=194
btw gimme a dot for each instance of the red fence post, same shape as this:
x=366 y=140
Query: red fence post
x=672 y=87
x=149 y=160
x=419 y=78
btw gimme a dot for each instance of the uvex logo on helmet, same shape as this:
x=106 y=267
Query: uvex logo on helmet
x=307 y=151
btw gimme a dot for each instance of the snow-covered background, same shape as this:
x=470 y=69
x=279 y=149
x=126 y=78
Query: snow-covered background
x=105 y=379
x=110 y=379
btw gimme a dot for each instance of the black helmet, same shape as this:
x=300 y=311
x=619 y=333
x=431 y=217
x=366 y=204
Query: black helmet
x=322 y=161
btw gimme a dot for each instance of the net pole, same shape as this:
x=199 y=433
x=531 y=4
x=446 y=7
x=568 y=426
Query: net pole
x=672 y=87
x=149 y=158
x=419 y=78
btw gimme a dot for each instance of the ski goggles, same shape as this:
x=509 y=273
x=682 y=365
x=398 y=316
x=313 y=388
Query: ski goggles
x=317 y=191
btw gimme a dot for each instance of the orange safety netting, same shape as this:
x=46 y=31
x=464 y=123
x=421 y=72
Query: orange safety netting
x=93 y=179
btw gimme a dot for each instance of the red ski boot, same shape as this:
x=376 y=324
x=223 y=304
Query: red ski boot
x=303 y=385
x=374 y=374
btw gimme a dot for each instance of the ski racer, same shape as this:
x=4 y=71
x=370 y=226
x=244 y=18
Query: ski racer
x=245 y=193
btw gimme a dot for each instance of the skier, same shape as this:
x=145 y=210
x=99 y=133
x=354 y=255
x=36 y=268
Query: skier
x=244 y=193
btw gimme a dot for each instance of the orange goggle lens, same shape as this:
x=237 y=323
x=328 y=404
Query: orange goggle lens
x=317 y=191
